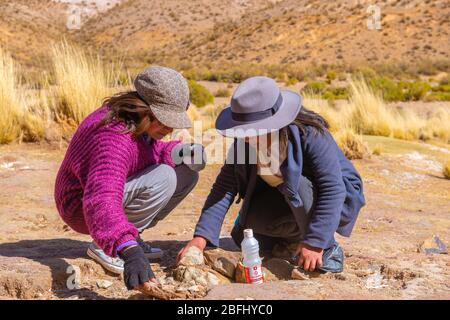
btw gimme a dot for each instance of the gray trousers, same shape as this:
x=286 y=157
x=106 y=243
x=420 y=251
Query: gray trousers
x=151 y=194
x=273 y=219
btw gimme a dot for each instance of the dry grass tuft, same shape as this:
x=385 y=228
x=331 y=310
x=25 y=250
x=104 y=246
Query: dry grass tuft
x=446 y=170
x=82 y=82
x=351 y=144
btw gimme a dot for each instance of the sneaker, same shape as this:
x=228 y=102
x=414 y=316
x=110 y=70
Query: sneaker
x=114 y=265
x=149 y=251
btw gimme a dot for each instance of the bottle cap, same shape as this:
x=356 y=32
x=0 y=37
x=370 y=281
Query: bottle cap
x=248 y=233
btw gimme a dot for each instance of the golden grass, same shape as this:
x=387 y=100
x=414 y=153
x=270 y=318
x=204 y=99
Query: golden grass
x=378 y=149
x=11 y=99
x=351 y=144
x=366 y=113
x=17 y=120
x=82 y=82
x=446 y=170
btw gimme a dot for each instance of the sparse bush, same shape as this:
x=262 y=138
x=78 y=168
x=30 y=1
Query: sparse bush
x=367 y=113
x=388 y=88
x=223 y=93
x=291 y=81
x=446 y=170
x=315 y=87
x=199 y=95
x=335 y=93
x=331 y=75
x=351 y=144
x=378 y=149
x=414 y=91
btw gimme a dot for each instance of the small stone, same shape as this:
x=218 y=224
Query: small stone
x=193 y=257
x=340 y=276
x=212 y=280
x=191 y=283
x=194 y=288
x=297 y=274
x=104 y=284
x=181 y=289
x=169 y=281
x=433 y=245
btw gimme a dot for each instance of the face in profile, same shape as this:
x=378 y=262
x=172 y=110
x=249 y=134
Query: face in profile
x=157 y=130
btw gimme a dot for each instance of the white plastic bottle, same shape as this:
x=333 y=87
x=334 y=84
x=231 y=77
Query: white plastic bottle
x=251 y=259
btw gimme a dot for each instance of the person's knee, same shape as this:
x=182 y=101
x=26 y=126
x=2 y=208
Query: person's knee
x=186 y=178
x=168 y=179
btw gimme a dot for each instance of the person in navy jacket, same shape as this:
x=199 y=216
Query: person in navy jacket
x=310 y=193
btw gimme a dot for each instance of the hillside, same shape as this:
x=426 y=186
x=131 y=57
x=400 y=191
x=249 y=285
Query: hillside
x=220 y=32
x=28 y=27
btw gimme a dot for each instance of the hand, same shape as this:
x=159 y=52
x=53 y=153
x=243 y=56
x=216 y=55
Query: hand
x=199 y=242
x=137 y=270
x=310 y=257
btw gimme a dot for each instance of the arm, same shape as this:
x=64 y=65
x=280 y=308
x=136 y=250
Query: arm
x=103 y=194
x=320 y=153
x=163 y=151
x=216 y=206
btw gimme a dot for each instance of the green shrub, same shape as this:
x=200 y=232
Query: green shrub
x=388 y=88
x=414 y=91
x=336 y=93
x=441 y=88
x=315 y=87
x=331 y=75
x=291 y=81
x=438 y=96
x=223 y=93
x=199 y=95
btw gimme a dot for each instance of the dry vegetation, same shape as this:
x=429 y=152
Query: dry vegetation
x=82 y=81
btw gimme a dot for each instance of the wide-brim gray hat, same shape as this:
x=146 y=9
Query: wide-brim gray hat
x=167 y=93
x=258 y=106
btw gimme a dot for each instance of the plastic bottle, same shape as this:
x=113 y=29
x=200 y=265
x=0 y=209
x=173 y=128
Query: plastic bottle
x=251 y=259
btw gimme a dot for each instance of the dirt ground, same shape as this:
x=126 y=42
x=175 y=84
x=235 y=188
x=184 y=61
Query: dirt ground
x=408 y=201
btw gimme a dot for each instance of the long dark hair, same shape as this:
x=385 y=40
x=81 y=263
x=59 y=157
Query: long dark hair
x=310 y=118
x=129 y=108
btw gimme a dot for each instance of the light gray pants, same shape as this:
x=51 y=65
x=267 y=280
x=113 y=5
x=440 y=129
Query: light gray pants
x=151 y=194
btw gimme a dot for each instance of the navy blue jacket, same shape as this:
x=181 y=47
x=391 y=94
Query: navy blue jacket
x=314 y=155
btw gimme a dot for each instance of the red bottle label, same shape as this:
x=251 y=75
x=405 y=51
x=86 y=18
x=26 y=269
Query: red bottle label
x=254 y=274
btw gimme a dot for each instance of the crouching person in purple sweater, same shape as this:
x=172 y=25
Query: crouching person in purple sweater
x=118 y=178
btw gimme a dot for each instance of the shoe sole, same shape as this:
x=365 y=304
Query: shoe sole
x=107 y=266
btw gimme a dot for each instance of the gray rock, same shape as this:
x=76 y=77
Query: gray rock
x=193 y=257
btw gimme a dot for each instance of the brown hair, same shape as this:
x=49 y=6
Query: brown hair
x=304 y=119
x=129 y=108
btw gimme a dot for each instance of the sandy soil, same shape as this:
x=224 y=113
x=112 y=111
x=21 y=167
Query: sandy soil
x=408 y=201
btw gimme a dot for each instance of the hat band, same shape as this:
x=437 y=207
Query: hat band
x=258 y=115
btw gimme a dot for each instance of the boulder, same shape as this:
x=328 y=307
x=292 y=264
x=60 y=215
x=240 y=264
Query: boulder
x=193 y=257
x=223 y=261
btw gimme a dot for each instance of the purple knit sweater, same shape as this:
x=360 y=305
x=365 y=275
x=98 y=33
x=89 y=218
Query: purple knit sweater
x=90 y=182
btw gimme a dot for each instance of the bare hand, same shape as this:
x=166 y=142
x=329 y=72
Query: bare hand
x=199 y=242
x=310 y=257
x=148 y=284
